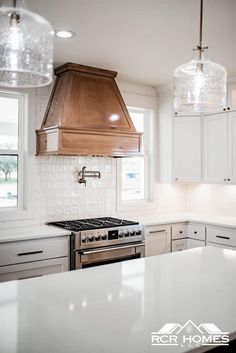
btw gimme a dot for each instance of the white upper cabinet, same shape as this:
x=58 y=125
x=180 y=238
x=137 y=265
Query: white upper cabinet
x=232 y=147
x=187 y=149
x=216 y=148
x=231 y=97
x=194 y=149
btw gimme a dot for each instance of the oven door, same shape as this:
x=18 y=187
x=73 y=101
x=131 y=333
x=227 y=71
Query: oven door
x=95 y=257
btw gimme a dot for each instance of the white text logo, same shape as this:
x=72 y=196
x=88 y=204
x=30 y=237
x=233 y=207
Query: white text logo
x=189 y=335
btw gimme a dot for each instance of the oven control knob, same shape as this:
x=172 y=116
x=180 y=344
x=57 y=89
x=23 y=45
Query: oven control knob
x=133 y=234
x=104 y=237
x=138 y=232
x=121 y=235
x=83 y=239
x=127 y=234
x=97 y=237
x=91 y=238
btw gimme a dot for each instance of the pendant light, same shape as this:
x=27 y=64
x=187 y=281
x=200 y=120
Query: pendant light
x=199 y=85
x=26 y=47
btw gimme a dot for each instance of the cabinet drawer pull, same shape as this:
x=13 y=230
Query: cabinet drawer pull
x=195 y=232
x=222 y=237
x=181 y=232
x=157 y=231
x=30 y=253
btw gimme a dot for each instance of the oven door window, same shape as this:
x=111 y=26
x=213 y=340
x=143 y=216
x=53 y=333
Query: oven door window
x=105 y=262
x=107 y=256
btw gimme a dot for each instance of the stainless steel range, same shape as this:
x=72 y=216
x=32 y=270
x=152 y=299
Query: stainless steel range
x=98 y=241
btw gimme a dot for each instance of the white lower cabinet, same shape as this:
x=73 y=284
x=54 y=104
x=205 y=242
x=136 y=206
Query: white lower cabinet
x=187 y=236
x=196 y=231
x=157 y=240
x=179 y=231
x=183 y=244
x=179 y=245
x=181 y=236
x=33 y=258
x=33 y=269
x=221 y=246
x=221 y=235
x=194 y=243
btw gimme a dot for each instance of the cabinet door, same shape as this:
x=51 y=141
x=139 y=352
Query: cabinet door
x=187 y=149
x=216 y=148
x=33 y=269
x=231 y=96
x=157 y=240
x=232 y=146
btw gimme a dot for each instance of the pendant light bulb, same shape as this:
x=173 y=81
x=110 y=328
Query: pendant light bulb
x=199 y=85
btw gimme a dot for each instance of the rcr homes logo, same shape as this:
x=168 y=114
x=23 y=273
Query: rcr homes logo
x=189 y=335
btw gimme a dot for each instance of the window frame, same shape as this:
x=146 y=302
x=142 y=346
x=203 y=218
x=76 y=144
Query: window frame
x=20 y=152
x=149 y=167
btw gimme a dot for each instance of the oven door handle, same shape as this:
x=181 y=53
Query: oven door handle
x=111 y=249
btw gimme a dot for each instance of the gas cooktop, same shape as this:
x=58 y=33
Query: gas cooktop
x=92 y=223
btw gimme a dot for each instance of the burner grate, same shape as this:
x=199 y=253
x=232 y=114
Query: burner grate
x=92 y=223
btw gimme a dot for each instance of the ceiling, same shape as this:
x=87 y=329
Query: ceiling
x=144 y=40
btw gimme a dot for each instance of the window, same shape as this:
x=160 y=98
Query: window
x=134 y=172
x=11 y=149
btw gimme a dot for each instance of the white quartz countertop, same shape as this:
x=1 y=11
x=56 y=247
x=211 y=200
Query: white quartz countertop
x=42 y=231
x=31 y=232
x=170 y=218
x=114 y=308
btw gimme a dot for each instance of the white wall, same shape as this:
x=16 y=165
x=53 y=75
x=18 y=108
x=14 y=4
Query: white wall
x=211 y=199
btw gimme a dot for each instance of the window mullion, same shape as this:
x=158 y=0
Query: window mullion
x=17 y=152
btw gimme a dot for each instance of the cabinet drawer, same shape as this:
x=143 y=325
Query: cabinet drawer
x=179 y=231
x=221 y=246
x=33 y=269
x=221 y=235
x=179 y=245
x=196 y=231
x=33 y=250
x=194 y=243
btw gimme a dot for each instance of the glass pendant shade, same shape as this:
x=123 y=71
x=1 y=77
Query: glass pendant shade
x=199 y=86
x=26 y=48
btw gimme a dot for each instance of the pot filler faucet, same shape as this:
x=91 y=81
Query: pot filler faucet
x=87 y=174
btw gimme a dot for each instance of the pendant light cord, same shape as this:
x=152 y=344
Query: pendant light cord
x=15 y=17
x=200 y=34
x=200 y=46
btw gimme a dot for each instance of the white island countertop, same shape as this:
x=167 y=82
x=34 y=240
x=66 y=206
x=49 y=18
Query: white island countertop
x=114 y=308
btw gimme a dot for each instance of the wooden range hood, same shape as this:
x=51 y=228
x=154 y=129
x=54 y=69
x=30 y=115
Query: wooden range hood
x=86 y=115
